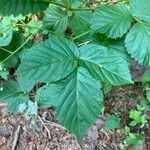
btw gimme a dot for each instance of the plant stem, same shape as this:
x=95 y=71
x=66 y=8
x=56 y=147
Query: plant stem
x=82 y=34
x=69 y=8
x=5 y=50
x=55 y=3
x=40 y=28
x=13 y=53
x=82 y=9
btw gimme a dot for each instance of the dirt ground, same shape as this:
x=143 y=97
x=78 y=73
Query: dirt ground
x=16 y=133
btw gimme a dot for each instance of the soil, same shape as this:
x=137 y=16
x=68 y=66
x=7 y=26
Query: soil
x=18 y=134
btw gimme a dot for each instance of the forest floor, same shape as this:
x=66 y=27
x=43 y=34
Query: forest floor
x=16 y=133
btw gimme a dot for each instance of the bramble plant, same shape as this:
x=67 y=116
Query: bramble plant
x=73 y=50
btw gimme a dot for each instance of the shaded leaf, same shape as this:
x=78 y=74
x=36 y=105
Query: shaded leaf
x=12 y=93
x=56 y=18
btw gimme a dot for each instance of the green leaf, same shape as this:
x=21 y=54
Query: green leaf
x=72 y=3
x=43 y=97
x=79 y=22
x=112 y=122
x=107 y=88
x=6 y=39
x=17 y=40
x=146 y=77
x=135 y=115
x=14 y=102
x=56 y=18
x=32 y=27
x=13 y=94
x=16 y=7
x=78 y=101
x=115 y=46
x=48 y=61
x=137 y=42
x=6 y=30
x=140 y=9
x=113 y=20
x=103 y=65
x=148 y=94
x=134 y=139
x=133 y=123
x=4 y=74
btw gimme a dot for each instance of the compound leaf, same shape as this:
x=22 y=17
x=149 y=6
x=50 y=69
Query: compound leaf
x=113 y=20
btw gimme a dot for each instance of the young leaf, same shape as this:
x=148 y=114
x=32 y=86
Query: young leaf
x=113 y=20
x=112 y=122
x=6 y=39
x=135 y=115
x=103 y=65
x=13 y=94
x=16 y=7
x=140 y=9
x=137 y=42
x=48 y=61
x=107 y=88
x=146 y=77
x=134 y=139
x=78 y=101
x=56 y=18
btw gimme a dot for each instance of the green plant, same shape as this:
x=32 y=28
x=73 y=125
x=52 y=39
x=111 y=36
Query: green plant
x=138 y=119
x=112 y=121
x=85 y=47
